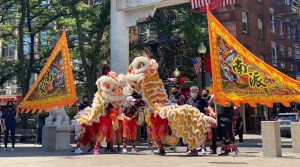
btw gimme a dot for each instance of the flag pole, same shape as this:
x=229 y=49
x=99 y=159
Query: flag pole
x=213 y=85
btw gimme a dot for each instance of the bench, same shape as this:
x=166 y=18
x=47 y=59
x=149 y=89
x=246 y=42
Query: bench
x=27 y=133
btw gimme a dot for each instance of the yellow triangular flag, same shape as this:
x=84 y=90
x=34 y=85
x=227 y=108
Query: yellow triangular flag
x=241 y=77
x=55 y=85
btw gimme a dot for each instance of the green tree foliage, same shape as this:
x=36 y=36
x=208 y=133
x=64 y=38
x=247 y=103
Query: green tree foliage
x=182 y=31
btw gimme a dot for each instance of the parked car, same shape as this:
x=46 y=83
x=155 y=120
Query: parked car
x=285 y=120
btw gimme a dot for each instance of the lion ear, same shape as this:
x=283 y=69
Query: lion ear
x=153 y=64
x=98 y=83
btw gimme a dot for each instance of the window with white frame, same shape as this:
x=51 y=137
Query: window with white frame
x=289 y=31
x=274 y=55
x=281 y=27
x=8 y=50
x=260 y=29
x=282 y=53
x=290 y=52
x=148 y=31
x=272 y=21
x=245 y=22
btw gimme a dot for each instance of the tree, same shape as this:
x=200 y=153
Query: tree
x=180 y=30
x=91 y=26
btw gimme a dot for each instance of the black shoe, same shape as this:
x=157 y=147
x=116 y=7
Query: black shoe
x=226 y=153
x=161 y=152
x=106 y=149
x=118 y=149
x=213 y=152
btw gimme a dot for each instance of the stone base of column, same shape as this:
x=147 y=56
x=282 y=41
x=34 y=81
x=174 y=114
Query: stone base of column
x=295 y=132
x=271 y=138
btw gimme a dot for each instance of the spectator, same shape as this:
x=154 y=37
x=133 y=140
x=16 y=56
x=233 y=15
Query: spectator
x=201 y=104
x=85 y=103
x=39 y=127
x=239 y=126
x=129 y=124
x=212 y=135
x=10 y=116
x=176 y=97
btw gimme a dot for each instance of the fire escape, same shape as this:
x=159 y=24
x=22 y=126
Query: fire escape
x=287 y=16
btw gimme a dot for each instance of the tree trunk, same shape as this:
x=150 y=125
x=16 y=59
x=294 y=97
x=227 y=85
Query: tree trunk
x=88 y=72
x=21 y=58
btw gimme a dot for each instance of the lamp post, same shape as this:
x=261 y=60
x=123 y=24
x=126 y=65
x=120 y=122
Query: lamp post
x=202 y=51
x=176 y=73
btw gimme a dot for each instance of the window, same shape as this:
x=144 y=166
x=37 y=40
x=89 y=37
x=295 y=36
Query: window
x=247 y=46
x=43 y=38
x=290 y=52
x=9 y=50
x=274 y=55
x=260 y=29
x=281 y=28
x=287 y=2
x=289 y=31
x=245 y=22
x=282 y=65
x=26 y=45
x=282 y=53
x=297 y=34
x=272 y=23
x=291 y=67
x=262 y=57
x=148 y=32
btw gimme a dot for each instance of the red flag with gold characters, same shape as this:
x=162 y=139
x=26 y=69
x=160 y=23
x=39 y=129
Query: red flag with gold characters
x=241 y=77
x=54 y=87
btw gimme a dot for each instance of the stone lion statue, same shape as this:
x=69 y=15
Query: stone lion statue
x=57 y=117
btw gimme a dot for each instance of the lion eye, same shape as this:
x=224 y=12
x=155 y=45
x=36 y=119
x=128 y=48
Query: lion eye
x=141 y=65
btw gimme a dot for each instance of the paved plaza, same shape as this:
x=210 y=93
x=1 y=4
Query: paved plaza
x=250 y=155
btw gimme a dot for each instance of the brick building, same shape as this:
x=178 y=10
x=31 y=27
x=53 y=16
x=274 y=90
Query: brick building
x=270 y=30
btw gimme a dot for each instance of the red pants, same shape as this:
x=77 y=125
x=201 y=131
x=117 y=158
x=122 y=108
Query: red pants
x=129 y=128
x=105 y=130
x=90 y=134
x=119 y=133
x=160 y=127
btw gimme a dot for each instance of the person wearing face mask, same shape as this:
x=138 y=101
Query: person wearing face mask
x=176 y=97
x=201 y=104
x=129 y=124
x=85 y=103
x=10 y=116
x=212 y=135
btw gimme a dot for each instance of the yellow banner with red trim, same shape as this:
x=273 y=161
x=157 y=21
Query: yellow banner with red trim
x=54 y=86
x=241 y=77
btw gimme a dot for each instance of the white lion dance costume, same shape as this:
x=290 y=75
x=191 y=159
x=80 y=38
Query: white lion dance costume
x=95 y=123
x=185 y=121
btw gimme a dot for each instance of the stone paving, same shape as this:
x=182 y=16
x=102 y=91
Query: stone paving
x=250 y=155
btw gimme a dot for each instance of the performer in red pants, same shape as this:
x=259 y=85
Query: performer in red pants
x=160 y=129
x=105 y=130
x=129 y=124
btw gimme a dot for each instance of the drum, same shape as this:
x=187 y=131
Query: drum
x=170 y=140
x=140 y=119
